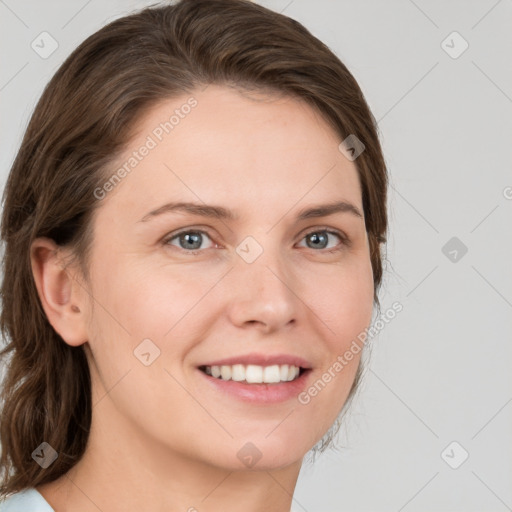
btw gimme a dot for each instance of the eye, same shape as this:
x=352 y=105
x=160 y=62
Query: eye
x=189 y=241
x=319 y=239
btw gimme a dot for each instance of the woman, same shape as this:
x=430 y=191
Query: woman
x=193 y=229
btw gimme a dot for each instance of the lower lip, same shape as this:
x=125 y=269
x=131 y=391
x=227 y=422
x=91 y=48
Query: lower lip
x=260 y=393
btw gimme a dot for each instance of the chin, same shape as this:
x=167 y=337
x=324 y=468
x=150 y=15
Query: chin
x=257 y=453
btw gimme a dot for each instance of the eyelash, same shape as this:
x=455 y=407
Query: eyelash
x=345 y=241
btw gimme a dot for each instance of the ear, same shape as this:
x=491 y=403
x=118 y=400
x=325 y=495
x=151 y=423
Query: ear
x=61 y=295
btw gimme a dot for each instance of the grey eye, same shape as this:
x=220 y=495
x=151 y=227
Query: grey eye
x=320 y=239
x=189 y=240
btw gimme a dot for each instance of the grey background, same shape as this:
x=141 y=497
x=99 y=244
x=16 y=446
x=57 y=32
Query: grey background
x=440 y=371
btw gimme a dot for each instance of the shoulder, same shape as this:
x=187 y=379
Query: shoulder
x=28 y=500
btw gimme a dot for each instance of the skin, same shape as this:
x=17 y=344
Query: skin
x=161 y=438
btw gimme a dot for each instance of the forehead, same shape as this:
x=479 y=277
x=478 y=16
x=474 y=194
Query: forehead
x=229 y=147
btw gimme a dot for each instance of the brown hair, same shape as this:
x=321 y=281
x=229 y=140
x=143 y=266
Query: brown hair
x=82 y=122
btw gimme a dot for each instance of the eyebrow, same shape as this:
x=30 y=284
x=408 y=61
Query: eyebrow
x=219 y=212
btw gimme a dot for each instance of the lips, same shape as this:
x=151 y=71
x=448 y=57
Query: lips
x=261 y=360
x=259 y=382
x=247 y=388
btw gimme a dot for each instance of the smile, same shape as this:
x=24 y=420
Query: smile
x=254 y=374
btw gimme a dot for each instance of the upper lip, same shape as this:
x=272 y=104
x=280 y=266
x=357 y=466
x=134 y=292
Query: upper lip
x=261 y=360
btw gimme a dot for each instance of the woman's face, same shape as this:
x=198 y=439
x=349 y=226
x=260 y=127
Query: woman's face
x=261 y=285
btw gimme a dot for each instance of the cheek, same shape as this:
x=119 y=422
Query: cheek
x=139 y=302
x=342 y=297
x=138 y=299
x=343 y=303
x=132 y=305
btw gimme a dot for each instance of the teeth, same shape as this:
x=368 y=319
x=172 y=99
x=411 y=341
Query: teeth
x=272 y=374
x=237 y=372
x=254 y=374
x=225 y=372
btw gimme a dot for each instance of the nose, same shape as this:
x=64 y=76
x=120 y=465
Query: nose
x=261 y=293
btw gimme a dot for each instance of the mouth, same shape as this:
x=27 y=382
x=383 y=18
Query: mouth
x=254 y=384
x=257 y=378
x=255 y=374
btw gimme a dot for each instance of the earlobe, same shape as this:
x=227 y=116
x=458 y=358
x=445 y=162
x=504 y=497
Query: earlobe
x=59 y=292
